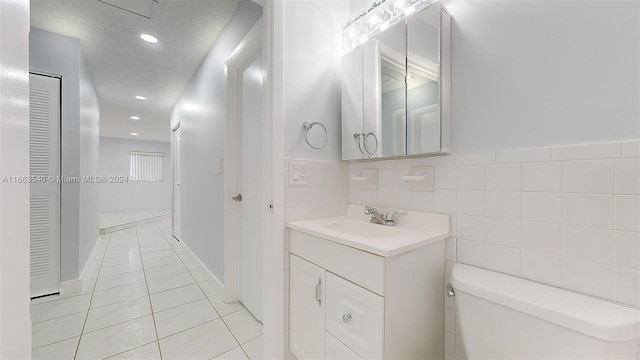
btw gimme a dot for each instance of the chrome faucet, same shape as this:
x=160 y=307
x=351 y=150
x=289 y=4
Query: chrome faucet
x=386 y=219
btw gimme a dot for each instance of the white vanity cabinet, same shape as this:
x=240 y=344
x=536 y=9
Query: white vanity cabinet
x=346 y=303
x=307 y=303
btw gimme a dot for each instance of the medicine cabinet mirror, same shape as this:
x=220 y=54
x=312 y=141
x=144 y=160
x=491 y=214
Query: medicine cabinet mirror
x=396 y=90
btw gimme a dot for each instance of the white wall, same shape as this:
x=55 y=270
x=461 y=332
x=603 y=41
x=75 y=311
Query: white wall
x=540 y=73
x=89 y=162
x=200 y=112
x=133 y=195
x=61 y=55
x=15 y=324
x=311 y=77
x=312 y=54
x=537 y=75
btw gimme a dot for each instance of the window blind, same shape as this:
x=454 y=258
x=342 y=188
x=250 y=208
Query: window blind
x=145 y=166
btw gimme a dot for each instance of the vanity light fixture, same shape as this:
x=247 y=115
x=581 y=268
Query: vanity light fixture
x=149 y=38
x=135 y=118
x=409 y=10
x=140 y=97
x=134 y=134
x=378 y=17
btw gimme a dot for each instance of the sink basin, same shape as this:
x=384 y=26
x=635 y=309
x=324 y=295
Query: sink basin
x=413 y=230
x=364 y=229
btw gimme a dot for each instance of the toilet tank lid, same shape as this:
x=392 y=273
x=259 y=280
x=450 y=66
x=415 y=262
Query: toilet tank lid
x=590 y=316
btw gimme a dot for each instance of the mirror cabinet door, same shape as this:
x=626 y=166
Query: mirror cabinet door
x=384 y=69
x=352 y=105
x=423 y=82
x=396 y=90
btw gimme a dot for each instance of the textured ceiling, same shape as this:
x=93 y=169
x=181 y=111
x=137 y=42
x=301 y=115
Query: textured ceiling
x=122 y=65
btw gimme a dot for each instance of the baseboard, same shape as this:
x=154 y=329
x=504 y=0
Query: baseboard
x=93 y=252
x=128 y=225
x=70 y=287
x=204 y=270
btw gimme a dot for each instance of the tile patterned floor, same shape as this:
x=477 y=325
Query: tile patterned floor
x=145 y=297
x=124 y=217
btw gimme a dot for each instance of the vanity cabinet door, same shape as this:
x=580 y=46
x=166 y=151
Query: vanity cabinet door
x=352 y=105
x=307 y=309
x=339 y=351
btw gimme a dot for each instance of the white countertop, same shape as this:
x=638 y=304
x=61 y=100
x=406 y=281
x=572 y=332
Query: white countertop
x=413 y=230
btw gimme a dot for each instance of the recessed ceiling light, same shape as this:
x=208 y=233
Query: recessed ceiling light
x=149 y=38
x=134 y=134
x=140 y=97
x=135 y=118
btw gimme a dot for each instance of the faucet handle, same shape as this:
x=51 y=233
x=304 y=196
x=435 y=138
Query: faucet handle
x=390 y=214
x=368 y=210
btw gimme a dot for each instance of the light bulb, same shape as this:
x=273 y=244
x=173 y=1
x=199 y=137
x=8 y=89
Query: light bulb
x=410 y=10
x=149 y=38
x=352 y=33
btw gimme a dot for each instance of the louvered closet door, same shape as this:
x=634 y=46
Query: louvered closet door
x=44 y=163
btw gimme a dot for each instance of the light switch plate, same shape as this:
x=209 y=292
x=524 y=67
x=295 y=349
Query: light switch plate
x=298 y=174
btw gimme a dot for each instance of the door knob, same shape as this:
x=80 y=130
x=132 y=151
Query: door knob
x=237 y=198
x=346 y=318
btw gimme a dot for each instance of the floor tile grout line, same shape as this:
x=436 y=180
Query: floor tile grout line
x=57 y=342
x=248 y=341
x=187 y=303
x=61 y=316
x=75 y=354
x=189 y=328
x=206 y=297
x=216 y=310
x=137 y=347
x=89 y=309
x=116 y=324
x=155 y=326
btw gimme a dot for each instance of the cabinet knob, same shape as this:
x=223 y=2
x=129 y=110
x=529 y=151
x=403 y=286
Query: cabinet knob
x=346 y=318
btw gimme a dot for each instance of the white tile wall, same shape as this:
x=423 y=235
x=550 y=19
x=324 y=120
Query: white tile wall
x=326 y=195
x=628 y=176
x=589 y=176
x=568 y=216
x=544 y=176
x=504 y=232
x=504 y=177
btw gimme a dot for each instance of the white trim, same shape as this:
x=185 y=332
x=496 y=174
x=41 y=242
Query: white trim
x=414 y=118
x=70 y=287
x=273 y=261
x=248 y=47
x=146 y=153
x=173 y=184
x=204 y=270
x=89 y=259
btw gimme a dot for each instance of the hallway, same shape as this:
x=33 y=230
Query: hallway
x=144 y=297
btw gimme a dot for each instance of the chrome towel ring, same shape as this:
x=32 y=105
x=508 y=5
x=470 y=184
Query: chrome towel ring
x=308 y=125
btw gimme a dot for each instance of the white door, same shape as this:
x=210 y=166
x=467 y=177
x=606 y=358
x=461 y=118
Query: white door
x=307 y=309
x=44 y=168
x=177 y=220
x=250 y=79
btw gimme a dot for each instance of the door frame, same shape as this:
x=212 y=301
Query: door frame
x=247 y=48
x=274 y=249
x=173 y=178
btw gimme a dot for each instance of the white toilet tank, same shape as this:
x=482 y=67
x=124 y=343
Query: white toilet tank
x=505 y=317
